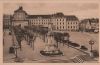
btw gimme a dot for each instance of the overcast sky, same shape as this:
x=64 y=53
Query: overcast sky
x=81 y=10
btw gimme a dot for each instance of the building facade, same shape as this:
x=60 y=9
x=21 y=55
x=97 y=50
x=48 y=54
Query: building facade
x=89 y=24
x=60 y=21
x=7 y=21
x=20 y=18
x=72 y=23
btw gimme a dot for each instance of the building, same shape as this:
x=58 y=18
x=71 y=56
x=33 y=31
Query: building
x=72 y=23
x=60 y=21
x=39 y=20
x=89 y=24
x=20 y=18
x=7 y=21
x=95 y=23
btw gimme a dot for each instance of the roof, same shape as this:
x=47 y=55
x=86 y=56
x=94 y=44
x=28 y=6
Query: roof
x=37 y=16
x=46 y=16
x=57 y=15
x=71 y=17
x=93 y=20
x=84 y=21
x=20 y=9
x=90 y=21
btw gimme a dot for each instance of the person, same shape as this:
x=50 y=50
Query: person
x=11 y=49
x=19 y=43
x=34 y=41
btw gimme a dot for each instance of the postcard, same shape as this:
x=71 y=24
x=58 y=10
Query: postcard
x=49 y=31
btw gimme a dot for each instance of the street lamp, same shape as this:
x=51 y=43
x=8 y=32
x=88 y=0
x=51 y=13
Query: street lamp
x=16 y=47
x=17 y=59
x=91 y=42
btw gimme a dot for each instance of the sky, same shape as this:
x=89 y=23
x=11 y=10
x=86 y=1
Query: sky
x=81 y=10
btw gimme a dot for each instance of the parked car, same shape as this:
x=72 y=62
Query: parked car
x=83 y=48
x=9 y=33
x=95 y=53
x=73 y=44
x=96 y=31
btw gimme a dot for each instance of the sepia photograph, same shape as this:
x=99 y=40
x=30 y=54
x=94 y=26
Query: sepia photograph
x=50 y=32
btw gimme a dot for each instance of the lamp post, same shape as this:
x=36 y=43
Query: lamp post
x=16 y=56
x=17 y=59
x=16 y=47
x=91 y=42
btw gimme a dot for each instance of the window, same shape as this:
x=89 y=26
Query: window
x=60 y=19
x=57 y=27
x=57 y=23
x=71 y=22
x=57 y=19
x=46 y=23
x=71 y=26
x=68 y=26
x=60 y=27
x=60 y=23
x=63 y=27
x=63 y=23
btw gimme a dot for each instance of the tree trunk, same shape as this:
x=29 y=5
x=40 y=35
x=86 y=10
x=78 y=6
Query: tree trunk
x=57 y=44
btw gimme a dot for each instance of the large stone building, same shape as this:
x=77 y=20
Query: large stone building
x=60 y=21
x=20 y=18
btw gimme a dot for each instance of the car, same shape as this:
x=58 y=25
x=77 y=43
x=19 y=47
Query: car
x=83 y=48
x=74 y=44
x=96 y=31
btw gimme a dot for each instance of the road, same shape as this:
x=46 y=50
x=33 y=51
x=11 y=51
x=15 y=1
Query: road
x=29 y=55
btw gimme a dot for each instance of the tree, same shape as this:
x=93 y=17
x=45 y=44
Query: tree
x=43 y=32
x=65 y=38
x=58 y=37
x=19 y=33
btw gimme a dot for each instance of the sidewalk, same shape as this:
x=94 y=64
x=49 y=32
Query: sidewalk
x=28 y=54
x=7 y=44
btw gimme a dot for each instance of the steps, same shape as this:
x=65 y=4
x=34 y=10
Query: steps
x=81 y=58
